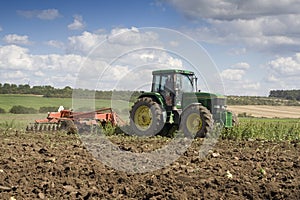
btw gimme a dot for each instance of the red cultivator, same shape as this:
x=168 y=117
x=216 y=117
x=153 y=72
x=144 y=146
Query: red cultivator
x=70 y=121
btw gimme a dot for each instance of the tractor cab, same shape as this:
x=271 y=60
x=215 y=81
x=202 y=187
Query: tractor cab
x=171 y=84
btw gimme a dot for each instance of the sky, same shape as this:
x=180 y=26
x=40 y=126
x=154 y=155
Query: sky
x=254 y=45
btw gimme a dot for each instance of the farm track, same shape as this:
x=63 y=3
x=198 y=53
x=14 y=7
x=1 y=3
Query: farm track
x=267 y=111
x=58 y=166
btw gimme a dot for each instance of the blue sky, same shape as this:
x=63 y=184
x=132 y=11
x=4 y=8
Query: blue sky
x=255 y=44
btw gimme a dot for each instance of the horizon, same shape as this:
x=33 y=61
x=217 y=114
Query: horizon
x=60 y=88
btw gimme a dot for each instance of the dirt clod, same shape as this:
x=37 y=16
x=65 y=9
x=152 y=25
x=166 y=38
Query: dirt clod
x=58 y=166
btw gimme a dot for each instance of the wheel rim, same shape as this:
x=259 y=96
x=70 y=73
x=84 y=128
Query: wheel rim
x=194 y=123
x=143 y=118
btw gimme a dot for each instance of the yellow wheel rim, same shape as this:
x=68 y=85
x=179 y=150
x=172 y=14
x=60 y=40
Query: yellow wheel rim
x=143 y=118
x=194 y=123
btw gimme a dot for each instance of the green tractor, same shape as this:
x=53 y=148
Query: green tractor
x=174 y=103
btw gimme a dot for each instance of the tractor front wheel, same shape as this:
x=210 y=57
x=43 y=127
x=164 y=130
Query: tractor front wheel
x=146 y=117
x=196 y=121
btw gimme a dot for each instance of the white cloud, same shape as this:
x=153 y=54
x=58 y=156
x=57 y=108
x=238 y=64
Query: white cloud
x=271 y=33
x=13 y=75
x=55 y=43
x=232 y=74
x=252 y=86
x=16 y=39
x=245 y=87
x=241 y=65
x=260 y=25
x=128 y=58
x=39 y=73
x=117 y=42
x=235 y=72
x=84 y=43
x=47 y=14
x=17 y=65
x=282 y=73
x=15 y=57
x=272 y=78
x=237 y=81
x=54 y=68
x=229 y=10
x=286 y=66
x=77 y=24
x=237 y=51
x=131 y=37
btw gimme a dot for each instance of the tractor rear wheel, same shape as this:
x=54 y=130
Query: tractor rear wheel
x=146 y=117
x=196 y=121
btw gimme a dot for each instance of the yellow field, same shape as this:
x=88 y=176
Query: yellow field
x=268 y=111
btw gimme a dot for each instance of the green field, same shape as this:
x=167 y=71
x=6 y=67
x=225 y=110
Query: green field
x=7 y=101
x=255 y=128
x=248 y=128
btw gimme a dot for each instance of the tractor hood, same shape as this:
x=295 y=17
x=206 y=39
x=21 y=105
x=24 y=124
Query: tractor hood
x=205 y=98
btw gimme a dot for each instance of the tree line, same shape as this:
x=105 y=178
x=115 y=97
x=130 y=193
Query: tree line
x=66 y=92
x=286 y=94
x=278 y=97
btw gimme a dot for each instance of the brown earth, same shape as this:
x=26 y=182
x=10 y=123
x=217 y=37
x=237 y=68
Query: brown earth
x=267 y=111
x=58 y=166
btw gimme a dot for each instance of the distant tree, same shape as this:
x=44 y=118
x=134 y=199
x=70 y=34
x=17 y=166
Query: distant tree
x=24 y=89
x=22 y=110
x=2 y=110
x=6 y=88
x=285 y=94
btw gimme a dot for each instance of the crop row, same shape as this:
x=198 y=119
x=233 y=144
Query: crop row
x=265 y=129
x=248 y=128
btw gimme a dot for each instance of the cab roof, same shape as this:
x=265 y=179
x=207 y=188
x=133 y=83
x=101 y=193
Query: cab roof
x=172 y=71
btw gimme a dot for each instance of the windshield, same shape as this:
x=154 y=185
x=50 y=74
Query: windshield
x=184 y=83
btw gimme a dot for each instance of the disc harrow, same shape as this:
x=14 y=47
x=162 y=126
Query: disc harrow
x=38 y=127
x=72 y=121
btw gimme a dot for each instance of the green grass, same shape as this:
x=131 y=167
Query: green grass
x=18 y=121
x=7 y=101
x=254 y=128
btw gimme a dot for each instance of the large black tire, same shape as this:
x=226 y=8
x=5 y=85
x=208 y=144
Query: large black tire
x=196 y=121
x=146 y=117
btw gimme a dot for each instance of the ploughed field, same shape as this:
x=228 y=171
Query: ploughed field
x=267 y=111
x=58 y=166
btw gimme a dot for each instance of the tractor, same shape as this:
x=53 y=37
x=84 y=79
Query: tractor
x=174 y=103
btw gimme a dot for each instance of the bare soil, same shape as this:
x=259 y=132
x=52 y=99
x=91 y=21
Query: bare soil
x=58 y=166
x=267 y=111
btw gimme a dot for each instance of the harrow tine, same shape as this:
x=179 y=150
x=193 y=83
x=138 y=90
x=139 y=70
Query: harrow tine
x=40 y=128
x=36 y=127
